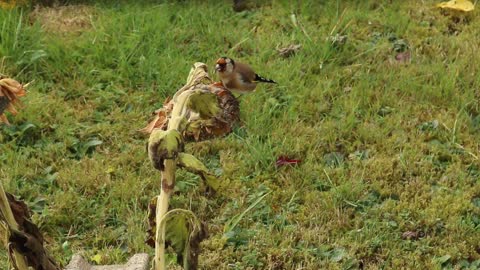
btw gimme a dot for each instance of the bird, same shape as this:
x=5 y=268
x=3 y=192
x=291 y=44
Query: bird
x=238 y=77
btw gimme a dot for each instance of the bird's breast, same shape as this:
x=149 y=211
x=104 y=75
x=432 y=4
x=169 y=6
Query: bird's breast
x=226 y=81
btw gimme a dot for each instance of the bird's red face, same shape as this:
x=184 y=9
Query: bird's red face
x=224 y=64
x=221 y=65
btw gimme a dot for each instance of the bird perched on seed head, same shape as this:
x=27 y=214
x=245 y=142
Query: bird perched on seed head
x=238 y=77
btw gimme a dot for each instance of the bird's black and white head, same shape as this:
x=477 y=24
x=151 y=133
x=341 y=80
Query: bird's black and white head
x=224 y=65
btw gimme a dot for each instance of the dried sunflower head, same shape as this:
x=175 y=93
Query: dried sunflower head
x=10 y=91
x=212 y=110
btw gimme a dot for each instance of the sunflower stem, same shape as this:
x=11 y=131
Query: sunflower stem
x=168 y=182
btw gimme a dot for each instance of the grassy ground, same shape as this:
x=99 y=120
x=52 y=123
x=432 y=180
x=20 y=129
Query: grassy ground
x=389 y=149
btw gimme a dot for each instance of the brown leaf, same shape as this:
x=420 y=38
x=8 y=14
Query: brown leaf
x=159 y=121
x=19 y=209
x=152 y=226
x=11 y=88
x=195 y=241
x=161 y=117
x=28 y=240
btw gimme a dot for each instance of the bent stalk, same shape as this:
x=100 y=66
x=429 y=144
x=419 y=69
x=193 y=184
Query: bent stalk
x=20 y=262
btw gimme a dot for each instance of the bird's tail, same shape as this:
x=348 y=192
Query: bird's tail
x=259 y=78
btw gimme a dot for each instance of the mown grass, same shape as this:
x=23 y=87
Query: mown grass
x=386 y=147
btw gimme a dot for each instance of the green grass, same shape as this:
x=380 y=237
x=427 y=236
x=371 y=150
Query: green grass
x=386 y=148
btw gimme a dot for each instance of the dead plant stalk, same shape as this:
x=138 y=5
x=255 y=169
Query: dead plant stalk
x=20 y=262
x=199 y=110
x=168 y=181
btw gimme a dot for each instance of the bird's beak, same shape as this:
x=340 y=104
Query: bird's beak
x=217 y=67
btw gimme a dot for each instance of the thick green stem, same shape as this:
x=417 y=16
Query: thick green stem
x=20 y=261
x=168 y=183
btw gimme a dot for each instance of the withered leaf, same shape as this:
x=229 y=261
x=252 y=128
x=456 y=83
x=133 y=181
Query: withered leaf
x=159 y=121
x=204 y=103
x=10 y=91
x=193 y=165
x=152 y=209
x=161 y=117
x=28 y=240
x=212 y=109
x=181 y=230
x=164 y=145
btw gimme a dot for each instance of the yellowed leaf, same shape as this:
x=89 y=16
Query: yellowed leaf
x=460 y=5
x=97 y=258
x=192 y=164
x=164 y=144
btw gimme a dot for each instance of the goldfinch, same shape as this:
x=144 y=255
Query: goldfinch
x=238 y=77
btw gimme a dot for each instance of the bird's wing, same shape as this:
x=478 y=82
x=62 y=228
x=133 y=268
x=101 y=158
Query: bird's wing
x=246 y=73
x=259 y=78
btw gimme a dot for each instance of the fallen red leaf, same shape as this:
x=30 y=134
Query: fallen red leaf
x=284 y=160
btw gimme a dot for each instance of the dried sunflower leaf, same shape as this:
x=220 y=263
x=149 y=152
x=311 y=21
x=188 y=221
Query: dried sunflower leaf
x=158 y=122
x=164 y=145
x=204 y=103
x=10 y=90
x=152 y=224
x=193 y=165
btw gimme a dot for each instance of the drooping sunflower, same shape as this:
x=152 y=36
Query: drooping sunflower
x=10 y=91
